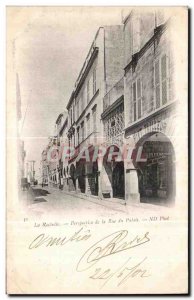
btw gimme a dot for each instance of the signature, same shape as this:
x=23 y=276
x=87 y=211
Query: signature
x=117 y=242
x=109 y=245
x=46 y=240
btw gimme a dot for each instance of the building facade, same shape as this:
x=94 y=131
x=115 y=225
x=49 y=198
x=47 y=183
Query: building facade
x=102 y=68
x=123 y=101
x=62 y=145
x=150 y=109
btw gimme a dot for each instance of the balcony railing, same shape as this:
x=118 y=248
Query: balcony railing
x=115 y=93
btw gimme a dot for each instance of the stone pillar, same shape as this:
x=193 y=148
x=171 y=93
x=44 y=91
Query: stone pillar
x=88 y=189
x=70 y=185
x=131 y=186
x=57 y=176
x=99 y=185
x=65 y=184
x=99 y=178
x=77 y=188
x=104 y=184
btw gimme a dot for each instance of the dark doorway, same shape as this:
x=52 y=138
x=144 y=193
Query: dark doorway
x=93 y=179
x=72 y=179
x=118 y=180
x=80 y=170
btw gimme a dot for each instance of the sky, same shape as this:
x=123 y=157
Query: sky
x=51 y=44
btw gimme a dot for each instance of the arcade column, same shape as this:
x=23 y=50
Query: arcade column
x=131 y=186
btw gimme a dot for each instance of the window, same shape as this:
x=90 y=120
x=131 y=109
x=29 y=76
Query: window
x=78 y=141
x=161 y=81
x=94 y=117
x=88 y=124
x=88 y=91
x=164 y=79
x=77 y=108
x=134 y=101
x=137 y=99
x=114 y=124
x=82 y=131
x=82 y=102
x=94 y=81
x=71 y=116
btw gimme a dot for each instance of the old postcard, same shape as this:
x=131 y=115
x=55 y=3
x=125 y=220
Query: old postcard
x=97 y=150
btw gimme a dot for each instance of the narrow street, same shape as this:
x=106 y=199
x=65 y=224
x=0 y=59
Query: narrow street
x=50 y=202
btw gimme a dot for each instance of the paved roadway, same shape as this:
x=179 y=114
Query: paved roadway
x=54 y=202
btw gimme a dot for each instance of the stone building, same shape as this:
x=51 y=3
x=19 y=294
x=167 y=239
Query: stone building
x=44 y=168
x=123 y=101
x=54 y=152
x=51 y=162
x=102 y=68
x=150 y=108
x=62 y=144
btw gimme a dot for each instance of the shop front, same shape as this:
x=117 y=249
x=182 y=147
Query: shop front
x=156 y=176
x=150 y=175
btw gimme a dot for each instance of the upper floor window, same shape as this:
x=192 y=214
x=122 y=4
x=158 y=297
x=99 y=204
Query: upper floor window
x=71 y=116
x=94 y=118
x=73 y=113
x=161 y=81
x=77 y=105
x=81 y=101
x=82 y=131
x=137 y=99
x=94 y=81
x=78 y=137
x=88 y=124
x=88 y=91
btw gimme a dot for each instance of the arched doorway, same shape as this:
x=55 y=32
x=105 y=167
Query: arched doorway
x=156 y=172
x=118 y=180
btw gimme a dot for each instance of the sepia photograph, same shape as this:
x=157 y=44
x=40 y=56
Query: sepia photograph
x=97 y=150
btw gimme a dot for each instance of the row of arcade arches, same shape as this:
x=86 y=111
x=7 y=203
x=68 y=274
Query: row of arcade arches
x=156 y=175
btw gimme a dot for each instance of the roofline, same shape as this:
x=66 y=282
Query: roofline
x=59 y=117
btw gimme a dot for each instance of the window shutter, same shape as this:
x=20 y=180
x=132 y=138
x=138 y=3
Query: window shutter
x=139 y=97
x=157 y=83
x=164 y=79
x=134 y=101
